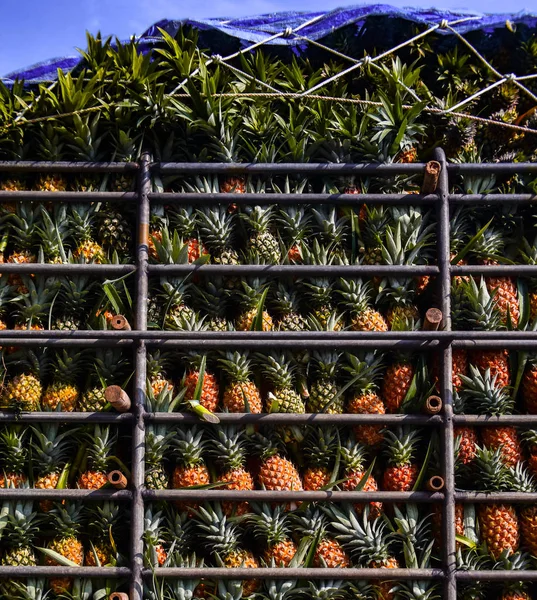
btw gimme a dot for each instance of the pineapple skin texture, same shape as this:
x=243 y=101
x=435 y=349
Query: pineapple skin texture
x=332 y=554
x=62 y=393
x=235 y=394
x=315 y=478
x=237 y=479
x=92 y=400
x=72 y=549
x=92 y=480
x=210 y=391
x=279 y=474
x=396 y=384
x=24 y=391
x=282 y=553
x=400 y=478
x=499 y=528
x=368 y=404
x=528 y=528
x=505 y=438
x=246 y=560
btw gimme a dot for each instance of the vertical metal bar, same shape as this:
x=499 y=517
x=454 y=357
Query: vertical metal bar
x=449 y=558
x=138 y=433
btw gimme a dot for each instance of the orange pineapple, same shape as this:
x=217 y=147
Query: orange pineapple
x=437 y=523
x=396 y=383
x=499 y=528
x=276 y=473
x=356 y=296
x=227 y=448
x=210 y=391
x=467 y=443
x=271 y=527
x=241 y=395
x=320 y=445
x=401 y=473
x=529 y=387
x=100 y=443
x=528 y=528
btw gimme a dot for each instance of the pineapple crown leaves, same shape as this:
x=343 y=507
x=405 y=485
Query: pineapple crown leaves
x=13 y=449
x=277 y=368
x=481 y=394
x=320 y=445
x=227 y=446
x=52 y=231
x=270 y=524
x=23 y=524
x=353 y=455
x=36 y=302
x=171 y=250
x=100 y=442
x=68 y=519
x=522 y=479
x=478 y=307
x=267 y=444
x=178 y=528
x=330 y=227
x=294 y=223
x=81 y=221
x=165 y=401
x=221 y=535
x=258 y=219
x=492 y=473
x=67 y=365
x=109 y=366
x=366 y=540
x=102 y=520
x=325 y=363
x=413 y=530
x=401 y=445
x=490 y=245
x=356 y=294
x=364 y=370
x=153 y=526
x=285 y=299
x=311 y=522
x=216 y=227
x=332 y=322
x=50 y=448
x=236 y=365
x=189 y=447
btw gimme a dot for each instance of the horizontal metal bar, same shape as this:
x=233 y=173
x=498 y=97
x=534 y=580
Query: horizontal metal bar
x=493 y=421
x=496 y=498
x=512 y=343
x=60 y=571
x=498 y=168
x=487 y=270
x=66 y=269
x=39 y=196
x=65 y=417
x=42 y=166
x=69 y=494
x=343 y=344
x=514 y=575
x=272 y=496
x=203 y=198
x=215 y=573
x=492 y=198
x=282 y=168
x=301 y=270
x=63 y=342
x=285 y=419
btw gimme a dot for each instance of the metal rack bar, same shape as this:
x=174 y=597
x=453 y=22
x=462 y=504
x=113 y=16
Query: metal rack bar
x=43 y=166
x=138 y=429
x=40 y=196
x=290 y=168
x=448 y=516
x=302 y=270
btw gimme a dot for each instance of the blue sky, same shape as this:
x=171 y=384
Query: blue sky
x=34 y=30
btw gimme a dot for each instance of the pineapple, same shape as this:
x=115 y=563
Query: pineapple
x=483 y=396
x=190 y=469
x=210 y=390
x=25 y=223
x=51 y=450
x=437 y=523
x=489 y=249
x=278 y=371
x=103 y=520
x=100 y=442
x=11 y=184
x=262 y=243
x=271 y=526
x=52 y=233
x=528 y=528
x=22 y=526
x=157 y=363
x=13 y=456
x=466 y=438
x=50 y=147
x=313 y=525
x=530 y=438
x=397 y=381
x=353 y=459
x=241 y=394
x=155 y=552
x=365 y=399
x=401 y=473
x=63 y=392
x=499 y=524
x=356 y=295
x=221 y=537
x=251 y=300
x=68 y=523
x=229 y=453
x=108 y=368
x=320 y=446
x=276 y=473
x=212 y=299
x=286 y=303
x=23 y=391
x=325 y=395
x=82 y=224
x=293 y=222
x=331 y=228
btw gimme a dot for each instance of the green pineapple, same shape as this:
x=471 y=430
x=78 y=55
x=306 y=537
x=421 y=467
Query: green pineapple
x=278 y=371
x=24 y=226
x=286 y=304
x=272 y=527
x=250 y=298
x=52 y=232
x=82 y=219
x=13 y=456
x=356 y=295
x=212 y=299
x=262 y=242
x=325 y=393
x=155 y=554
x=100 y=442
x=108 y=368
x=22 y=526
x=103 y=521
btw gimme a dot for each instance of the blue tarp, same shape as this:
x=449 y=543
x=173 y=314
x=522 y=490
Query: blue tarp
x=255 y=29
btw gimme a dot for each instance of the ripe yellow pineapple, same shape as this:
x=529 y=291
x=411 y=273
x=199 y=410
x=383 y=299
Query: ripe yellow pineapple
x=276 y=473
x=68 y=524
x=63 y=391
x=528 y=528
x=499 y=528
x=241 y=394
x=23 y=392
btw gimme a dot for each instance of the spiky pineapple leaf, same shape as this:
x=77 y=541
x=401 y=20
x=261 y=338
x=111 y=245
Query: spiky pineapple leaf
x=61 y=560
x=471 y=243
x=465 y=541
x=425 y=465
x=523 y=304
x=365 y=477
x=257 y=323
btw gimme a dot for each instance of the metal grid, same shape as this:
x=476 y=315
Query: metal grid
x=139 y=339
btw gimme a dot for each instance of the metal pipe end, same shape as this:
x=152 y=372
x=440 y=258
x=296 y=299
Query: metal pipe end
x=118 y=596
x=117 y=479
x=435 y=484
x=433 y=319
x=433 y=405
x=430 y=177
x=118 y=398
x=120 y=323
